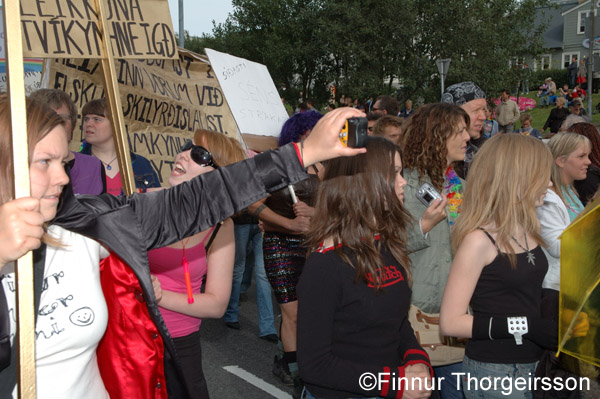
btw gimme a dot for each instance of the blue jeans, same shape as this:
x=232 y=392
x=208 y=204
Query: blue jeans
x=480 y=378
x=248 y=238
x=546 y=100
x=449 y=388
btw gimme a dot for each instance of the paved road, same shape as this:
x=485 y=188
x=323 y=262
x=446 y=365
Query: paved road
x=224 y=348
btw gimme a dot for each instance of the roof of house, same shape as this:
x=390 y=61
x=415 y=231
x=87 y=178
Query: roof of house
x=553 y=14
x=583 y=5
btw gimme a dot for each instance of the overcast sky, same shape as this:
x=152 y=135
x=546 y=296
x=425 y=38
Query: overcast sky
x=199 y=14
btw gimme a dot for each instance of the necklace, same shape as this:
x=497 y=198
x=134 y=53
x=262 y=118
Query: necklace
x=530 y=256
x=106 y=165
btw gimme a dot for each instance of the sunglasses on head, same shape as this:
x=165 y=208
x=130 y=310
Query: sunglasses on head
x=199 y=154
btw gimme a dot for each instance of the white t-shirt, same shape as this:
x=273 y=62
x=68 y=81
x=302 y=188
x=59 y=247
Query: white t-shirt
x=71 y=320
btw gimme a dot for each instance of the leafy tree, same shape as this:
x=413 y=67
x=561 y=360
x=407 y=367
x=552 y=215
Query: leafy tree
x=369 y=47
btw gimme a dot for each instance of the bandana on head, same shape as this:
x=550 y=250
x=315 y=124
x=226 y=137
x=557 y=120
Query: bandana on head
x=462 y=93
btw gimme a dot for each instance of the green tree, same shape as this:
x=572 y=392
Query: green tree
x=369 y=47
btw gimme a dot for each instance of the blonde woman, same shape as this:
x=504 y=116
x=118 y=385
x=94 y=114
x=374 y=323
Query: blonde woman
x=571 y=159
x=499 y=265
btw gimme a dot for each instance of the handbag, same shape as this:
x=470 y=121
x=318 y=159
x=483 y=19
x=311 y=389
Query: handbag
x=442 y=350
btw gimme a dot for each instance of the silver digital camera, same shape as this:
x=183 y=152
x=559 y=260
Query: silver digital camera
x=427 y=194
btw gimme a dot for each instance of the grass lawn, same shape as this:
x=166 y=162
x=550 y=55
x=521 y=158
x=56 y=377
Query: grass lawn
x=539 y=115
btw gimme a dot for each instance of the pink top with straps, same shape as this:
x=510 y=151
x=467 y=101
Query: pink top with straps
x=166 y=264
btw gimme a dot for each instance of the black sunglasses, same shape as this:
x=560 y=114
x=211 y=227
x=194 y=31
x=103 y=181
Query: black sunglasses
x=199 y=154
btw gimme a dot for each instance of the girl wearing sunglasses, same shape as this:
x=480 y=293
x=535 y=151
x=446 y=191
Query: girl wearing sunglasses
x=115 y=344
x=178 y=270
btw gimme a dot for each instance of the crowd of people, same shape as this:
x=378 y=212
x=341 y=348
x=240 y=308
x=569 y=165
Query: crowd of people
x=409 y=258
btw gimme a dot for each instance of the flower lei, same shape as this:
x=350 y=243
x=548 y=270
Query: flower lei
x=453 y=191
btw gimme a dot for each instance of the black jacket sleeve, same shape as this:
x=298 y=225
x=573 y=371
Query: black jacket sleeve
x=170 y=215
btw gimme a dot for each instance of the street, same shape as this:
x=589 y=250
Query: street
x=237 y=363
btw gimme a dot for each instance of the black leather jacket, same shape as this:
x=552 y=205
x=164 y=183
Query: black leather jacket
x=130 y=226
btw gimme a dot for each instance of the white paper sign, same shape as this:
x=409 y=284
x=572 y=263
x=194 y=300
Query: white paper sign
x=250 y=93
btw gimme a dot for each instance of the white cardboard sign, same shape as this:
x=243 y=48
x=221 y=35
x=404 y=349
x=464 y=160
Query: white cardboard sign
x=250 y=93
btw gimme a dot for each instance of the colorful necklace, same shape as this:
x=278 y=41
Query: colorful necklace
x=453 y=191
x=530 y=256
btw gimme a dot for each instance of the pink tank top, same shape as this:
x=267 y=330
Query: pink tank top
x=166 y=264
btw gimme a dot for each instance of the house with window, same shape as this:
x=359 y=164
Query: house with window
x=567 y=33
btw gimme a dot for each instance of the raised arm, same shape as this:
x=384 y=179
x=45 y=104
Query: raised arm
x=169 y=215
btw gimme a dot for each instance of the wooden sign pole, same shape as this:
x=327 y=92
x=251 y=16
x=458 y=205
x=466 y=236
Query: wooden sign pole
x=25 y=338
x=113 y=100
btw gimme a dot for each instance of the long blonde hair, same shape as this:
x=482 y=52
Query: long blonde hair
x=506 y=178
x=562 y=145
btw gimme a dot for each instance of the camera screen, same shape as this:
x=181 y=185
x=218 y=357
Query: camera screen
x=427 y=197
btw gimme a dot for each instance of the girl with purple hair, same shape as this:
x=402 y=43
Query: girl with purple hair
x=285 y=219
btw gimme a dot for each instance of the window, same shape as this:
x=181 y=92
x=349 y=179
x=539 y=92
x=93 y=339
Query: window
x=566 y=59
x=542 y=63
x=582 y=19
x=515 y=62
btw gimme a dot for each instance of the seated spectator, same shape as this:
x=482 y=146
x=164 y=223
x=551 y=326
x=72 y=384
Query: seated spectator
x=526 y=129
x=578 y=92
x=85 y=172
x=99 y=143
x=569 y=97
x=557 y=116
x=548 y=100
x=576 y=116
x=563 y=91
x=543 y=89
x=390 y=127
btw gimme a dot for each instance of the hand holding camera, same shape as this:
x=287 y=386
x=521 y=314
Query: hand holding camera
x=436 y=207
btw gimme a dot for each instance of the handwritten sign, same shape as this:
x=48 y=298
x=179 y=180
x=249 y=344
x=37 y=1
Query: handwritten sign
x=251 y=93
x=71 y=29
x=163 y=101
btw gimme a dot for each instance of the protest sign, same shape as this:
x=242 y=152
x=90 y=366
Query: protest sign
x=71 y=29
x=163 y=102
x=32 y=67
x=252 y=96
